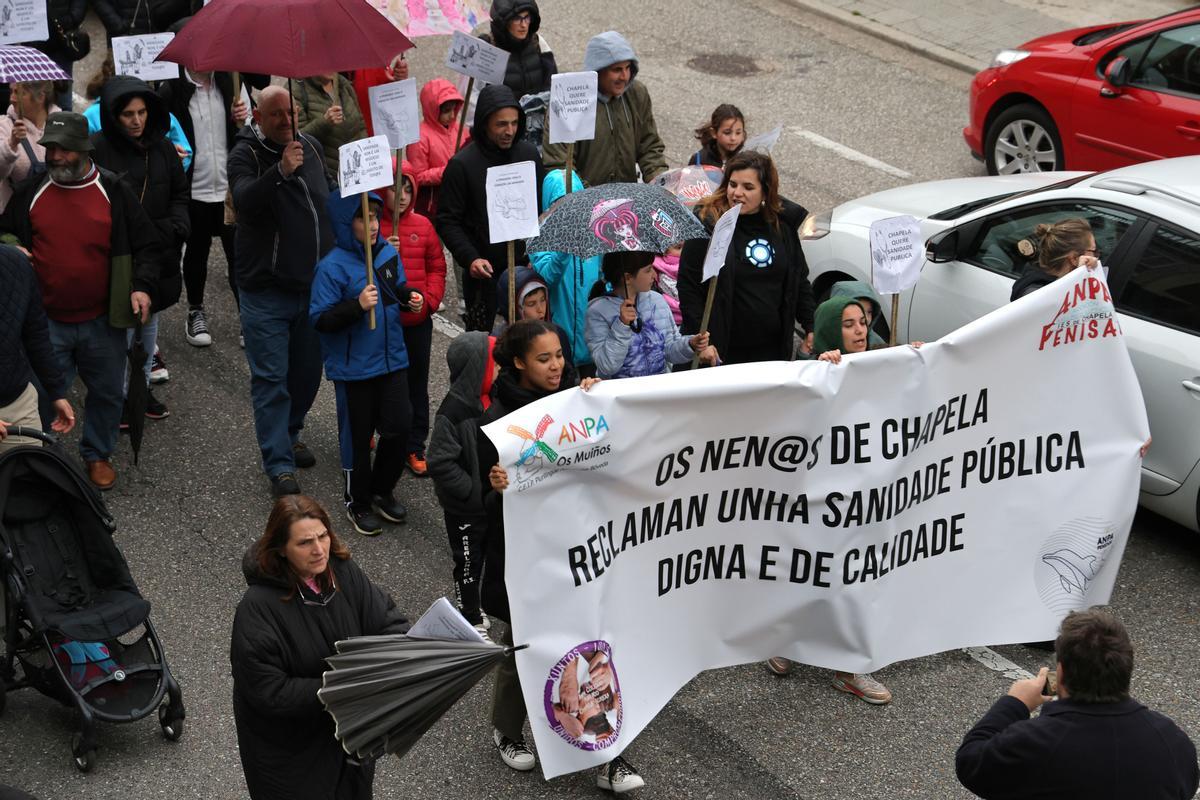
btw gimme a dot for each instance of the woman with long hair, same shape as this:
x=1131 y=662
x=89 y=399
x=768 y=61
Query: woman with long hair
x=763 y=289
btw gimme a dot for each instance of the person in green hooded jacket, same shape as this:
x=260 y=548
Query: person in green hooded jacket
x=327 y=110
x=869 y=300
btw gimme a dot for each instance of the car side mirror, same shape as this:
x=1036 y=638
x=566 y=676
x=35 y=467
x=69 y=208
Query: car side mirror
x=942 y=247
x=1117 y=74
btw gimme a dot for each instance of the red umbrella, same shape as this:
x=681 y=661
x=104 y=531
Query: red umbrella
x=293 y=38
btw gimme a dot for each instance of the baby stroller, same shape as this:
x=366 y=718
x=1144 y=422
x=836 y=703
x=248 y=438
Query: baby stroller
x=74 y=619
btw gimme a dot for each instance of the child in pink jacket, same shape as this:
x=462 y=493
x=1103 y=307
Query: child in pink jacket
x=441 y=107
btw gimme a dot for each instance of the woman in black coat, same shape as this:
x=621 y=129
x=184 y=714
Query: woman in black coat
x=763 y=289
x=514 y=28
x=305 y=594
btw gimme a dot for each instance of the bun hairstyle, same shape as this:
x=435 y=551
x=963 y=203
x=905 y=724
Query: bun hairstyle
x=1053 y=243
x=706 y=134
x=617 y=265
x=517 y=340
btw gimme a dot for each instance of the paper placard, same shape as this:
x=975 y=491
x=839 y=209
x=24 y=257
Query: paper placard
x=572 y=106
x=134 y=55
x=445 y=622
x=764 y=142
x=23 y=21
x=476 y=58
x=512 y=202
x=897 y=252
x=718 y=245
x=395 y=112
x=364 y=164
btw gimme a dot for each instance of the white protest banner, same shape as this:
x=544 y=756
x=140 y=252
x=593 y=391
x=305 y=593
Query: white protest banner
x=476 y=58
x=364 y=165
x=395 y=112
x=572 y=106
x=764 y=142
x=512 y=202
x=23 y=21
x=718 y=245
x=902 y=503
x=897 y=253
x=134 y=55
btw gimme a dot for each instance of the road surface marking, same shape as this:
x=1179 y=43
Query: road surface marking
x=997 y=663
x=447 y=327
x=850 y=154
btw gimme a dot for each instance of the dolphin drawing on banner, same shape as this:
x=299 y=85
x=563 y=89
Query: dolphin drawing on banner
x=1074 y=571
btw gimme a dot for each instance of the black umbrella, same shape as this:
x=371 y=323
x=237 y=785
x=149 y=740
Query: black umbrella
x=384 y=692
x=614 y=217
x=138 y=393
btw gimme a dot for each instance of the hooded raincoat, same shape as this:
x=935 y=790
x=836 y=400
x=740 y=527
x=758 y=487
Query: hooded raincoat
x=530 y=61
x=861 y=290
x=827 y=324
x=452 y=455
x=626 y=137
x=433 y=152
x=420 y=252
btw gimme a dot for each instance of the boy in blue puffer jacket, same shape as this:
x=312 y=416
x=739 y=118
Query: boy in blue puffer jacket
x=369 y=367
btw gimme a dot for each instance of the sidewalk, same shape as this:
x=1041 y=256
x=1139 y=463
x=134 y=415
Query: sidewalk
x=968 y=34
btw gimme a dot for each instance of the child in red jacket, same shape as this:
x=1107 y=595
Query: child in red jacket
x=425 y=269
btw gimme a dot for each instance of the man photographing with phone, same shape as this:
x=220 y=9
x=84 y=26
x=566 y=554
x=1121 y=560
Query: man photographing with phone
x=1094 y=740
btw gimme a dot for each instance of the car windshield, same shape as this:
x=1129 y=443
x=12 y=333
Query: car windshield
x=963 y=209
x=1103 y=33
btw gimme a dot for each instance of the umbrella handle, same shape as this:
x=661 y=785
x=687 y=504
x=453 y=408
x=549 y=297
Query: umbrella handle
x=508 y=651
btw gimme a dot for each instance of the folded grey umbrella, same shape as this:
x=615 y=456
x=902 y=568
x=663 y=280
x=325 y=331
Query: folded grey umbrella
x=384 y=692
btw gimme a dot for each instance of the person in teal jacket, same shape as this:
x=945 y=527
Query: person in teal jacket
x=370 y=365
x=570 y=278
x=175 y=134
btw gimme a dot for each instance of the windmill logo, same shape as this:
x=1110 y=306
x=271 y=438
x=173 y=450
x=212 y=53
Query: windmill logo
x=533 y=447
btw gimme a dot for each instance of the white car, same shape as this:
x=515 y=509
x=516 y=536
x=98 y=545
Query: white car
x=1146 y=219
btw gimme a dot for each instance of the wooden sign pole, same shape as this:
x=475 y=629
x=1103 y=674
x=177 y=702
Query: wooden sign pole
x=396 y=191
x=708 y=304
x=570 y=165
x=366 y=215
x=512 y=282
x=462 y=120
x=895 y=315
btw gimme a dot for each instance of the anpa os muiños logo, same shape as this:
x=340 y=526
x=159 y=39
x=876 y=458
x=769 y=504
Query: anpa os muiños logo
x=583 y=697
x=551 y=445
x=1086 y=313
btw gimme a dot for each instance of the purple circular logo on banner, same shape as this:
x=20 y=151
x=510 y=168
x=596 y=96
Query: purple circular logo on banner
x=583 y=697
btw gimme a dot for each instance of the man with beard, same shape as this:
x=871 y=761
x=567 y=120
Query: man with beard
x=462 y=217
x=96 y=257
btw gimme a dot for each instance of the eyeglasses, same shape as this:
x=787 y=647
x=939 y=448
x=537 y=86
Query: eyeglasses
x=524 y=18
x=1093 y=251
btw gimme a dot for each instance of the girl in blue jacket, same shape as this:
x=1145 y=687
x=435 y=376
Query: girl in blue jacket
x=368 y=367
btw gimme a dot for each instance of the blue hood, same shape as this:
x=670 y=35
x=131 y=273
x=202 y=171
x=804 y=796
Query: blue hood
x=554 y=186
x=608 y=48
x=341 y=215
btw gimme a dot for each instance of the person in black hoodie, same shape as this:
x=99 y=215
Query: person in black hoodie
x=462 y=218
x=305 y=593
x=514 y=29
x=132 y=142
x=279 y=194
x=763 y=288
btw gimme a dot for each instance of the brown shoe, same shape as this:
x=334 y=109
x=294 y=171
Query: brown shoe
x=101 y=474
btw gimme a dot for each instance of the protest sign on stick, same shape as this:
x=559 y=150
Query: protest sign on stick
x=714 y=259
x=363 y=166
x=396 y=115
x=478 y=60
x=512 y=213
x=134 y=55
x=897 y=252
x=572 y=113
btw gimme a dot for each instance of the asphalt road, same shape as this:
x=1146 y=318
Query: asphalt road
x=860 y=116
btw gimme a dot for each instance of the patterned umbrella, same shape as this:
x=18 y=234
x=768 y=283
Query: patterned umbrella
x=433 y=17
x=692 y=183
x=19 y=64
x=614 y=217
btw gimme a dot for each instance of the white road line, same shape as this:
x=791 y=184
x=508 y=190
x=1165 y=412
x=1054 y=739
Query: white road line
x=850 y=154
x=444 y=325
x=997 y=663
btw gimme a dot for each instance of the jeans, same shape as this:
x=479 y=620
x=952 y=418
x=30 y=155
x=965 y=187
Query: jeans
x=418 y=341
x=284 y=356
x=149 y=340
x=96 y=351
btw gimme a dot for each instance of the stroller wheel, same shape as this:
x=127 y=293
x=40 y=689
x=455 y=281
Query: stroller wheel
x=85 y=760
x=172 y=729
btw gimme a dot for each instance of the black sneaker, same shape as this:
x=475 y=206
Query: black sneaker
x=196 y=328
x=155 y=408
x=124 y=425
x=618 y=776
x=390 y=508
x=364 y=521
x=284 y=483
x=303 y=456
x=514 y=753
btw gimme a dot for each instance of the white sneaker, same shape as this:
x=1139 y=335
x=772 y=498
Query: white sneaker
x=618 y=776
x=482 y=630
x=158 y=368
x=516 y=754
x=862 y=686
x=196 y=328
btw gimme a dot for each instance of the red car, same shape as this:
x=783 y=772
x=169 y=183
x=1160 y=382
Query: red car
x=1091 y=98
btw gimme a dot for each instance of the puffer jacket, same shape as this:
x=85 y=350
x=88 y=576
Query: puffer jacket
x=310 y=118
x=151 y=168
x=433 y=152
x=354 y=352
x=530 y=62
x=420 y=252
x=14 y=162
x=626 y=135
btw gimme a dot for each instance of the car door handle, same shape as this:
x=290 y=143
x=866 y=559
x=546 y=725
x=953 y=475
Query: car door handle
x=1190 y=130
x=1192 y=385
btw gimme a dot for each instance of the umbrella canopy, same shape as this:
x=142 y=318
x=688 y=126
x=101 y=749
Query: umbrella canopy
x=616 y=216
x=433 y=17
x=294 y=38
x=692 y=183
x=384 y=692
x=138 y=393
x=19 y=64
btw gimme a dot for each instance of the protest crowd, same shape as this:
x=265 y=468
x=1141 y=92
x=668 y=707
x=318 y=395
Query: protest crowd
x=108 y=217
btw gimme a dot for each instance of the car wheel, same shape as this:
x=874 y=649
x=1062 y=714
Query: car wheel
x=1023 y=139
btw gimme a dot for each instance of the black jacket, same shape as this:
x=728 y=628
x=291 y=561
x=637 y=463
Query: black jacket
x=283 y=225
x=1077 y=750
x=796 y=305
x=24 y=336
x=453 y=455
x=66 y=15
x=152 y=169
x=278 y=655
x=1032 y=279
x=507 y=397
x=462 y=219
x=135 y=17
x=529 y=69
